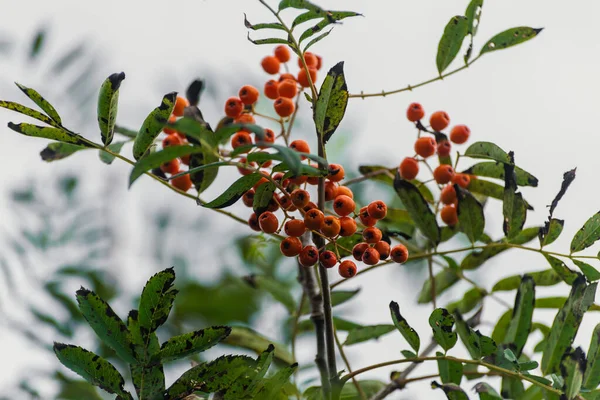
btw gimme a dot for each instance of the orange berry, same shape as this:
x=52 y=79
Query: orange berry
x=443 y=174
x=439 y=120
x=358 y=250
x=273 y=203
x=313 y=180
x=425 y=146
x=303 y=78
x=180 y=104
x=246 y=171
x=331 y=189
x=309 y=256
x=270 y=64
x=299 y=180
x=377 y=209
x=313 y=219
x=365 y=218
x=285 y=76
x=310 y=59
x=248 y=94
x=253 y=222
x=328 y=258
x=347 y=269
x=286 y=203
x=185 y=159
x=242 y=138
x=283 y=106
x=335 y=172
x=449 y=215
x=260 y=182
x=300 y=197
x=443 y=148
x=172 y=140
x=409 y=168
x=287 y=88
x=269 y=137
x=170 y=131
x=234 y=107
x=290 y=246
x=294 y=227
x=282 y=53
x=183 y=182
x=319 y=61
x=460 y=134
x=383 y=248
x=370 y=256
x=415 y=112
x=399 y=253
x=271 y=89
x=331 y=226
x=345 y=190
x=347 y=226
x=343 y=205
x=248 y=198
x=245 y=119
x=461 y=180
x=310 y=206
x=448 y=195
x=170 y=167
x=372 y=235
x=268 y=222
x=300 y=146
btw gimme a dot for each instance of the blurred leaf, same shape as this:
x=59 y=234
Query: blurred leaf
x=441 y=322
x=58 y=150
x=450 y=371
x=193 y=342
x=520 y=324
x=278 y=291
x=418 y=209
x=411 y=336
x=235 y=191
x=491 y=169
x=108 y=100
x=153 y=125
x=331 y=103
x=485 y=391
x=546 y=277
x=368 y=332
x=247 y=338
x=471 y=299
x=349 y=392
x=470 y=214
x=477 y=344
x=63 y=328
x=37 y=44
x=454 y=33
x=340 y=324
x=510 y=37
x=272 y=386
x=194 y=91
x=444 y=279
x=487 y=150
x=587 y=235
x=452 y=391
x=473 y=14
x=561 y=269
x=337 y=297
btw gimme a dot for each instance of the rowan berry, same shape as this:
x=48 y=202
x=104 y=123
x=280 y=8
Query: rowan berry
x=358 y=250
x=282 y=53
x=180 y=104
x=183 y=182
x=285 y=76
x=271 y=89
x=303 y=77
x=319 y=61
x=268 y=222
x=347 y=269
x=370 y=256
x=443 y=148
x=260 y=182
x=365 y=218
x=290 y=246
x=241 y=138
x=331 y=189
x=185 y=159
x=248 y=94
x=448 y=195
x=300 y=197
x=331 y=226
x=234 y=107
x=409 y=168
x=168 y=130
x=343 y=205
x=313 y=219
x=287 y=88
x=284 y=107
x=328 y=259
x=269 y=137
x=377 y=209
x=449 y=215
x=461 y=180
x=460 y=134
x=443 y=174
x=309 y=256
x=439 y=120
x=415 y=112
x=399 y=253
x=286 y=203
x=335 y=172
x=245 y=119
x=425 y=146
x=310 y=59
x=313 y=180
x=270 y=64
x=383 y=248
x=372 y=235
x=248 y=198
x=172 y=140
x=300 y=146
x=253 y=222
x=310 y=206
x=273 y=203
x=347 y=226
x=294 y=227
x=345 y=190
x=246 y=171
x=170 y=167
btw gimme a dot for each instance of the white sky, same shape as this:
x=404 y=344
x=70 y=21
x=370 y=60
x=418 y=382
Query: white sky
x=538 y=99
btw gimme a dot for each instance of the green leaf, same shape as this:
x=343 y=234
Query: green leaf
x=155 y=160
x=590 y=272
x=477 y=344
x=107 y=325
x=147 y=375
x=193 y=342
x=278 y=291
x=512 y=388
x=495 y=169
x=551 y=231
x=520 y=324
x=41 y=103
x=565 y=326
x=450 y=371
x=108 y=158
x=268 y=41
x=417 y=208
x=510 y=37
x=273 y=385
x=587 y=235
x=513 y=205
x=58 y=150
x=235 y=191
x=301 y=4
x=314 y=29
x=9 y=105
x=337 y=297
x=203 y=168
x=153 y=125
x=270 y=25
x=130 y=133
x=108 y=100
x=441 y=322
x=365 y=333
x=93 y=368
x=452 y=391
x=572 y=368
x=349 y=392
x=411 y=336
x=591 y=378
x=46 y=132
x=332 y=16
x=470 y=214
x=262 y=197
x=340 y=324
x=471 y=299
x=454 y=34
x=499 y=332
x=486 y=188
x=485 y=391
x=331 y=103
x=317 y=39
x=546 y=277
x=156 y=300
x=444 y=279
x=473 y=14
x=561 y=269
x=249 y=339
x=487 y=150
x=263 y=362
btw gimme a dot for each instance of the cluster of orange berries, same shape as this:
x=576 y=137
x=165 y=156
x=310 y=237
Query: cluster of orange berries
x=427 y=146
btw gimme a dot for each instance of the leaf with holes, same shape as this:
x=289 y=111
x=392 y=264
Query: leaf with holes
x=572 y=368
x=452 y=390
x=153 y=125
x=454 y=34
x=510 y=37
x=193 y=342
x=411 y=336
x=551 y=231
x=587 y=235
x=331 y=103
x=470 y=214
x=561 y=269
x=418 y=208
x=441 y=322
x=108 y=100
